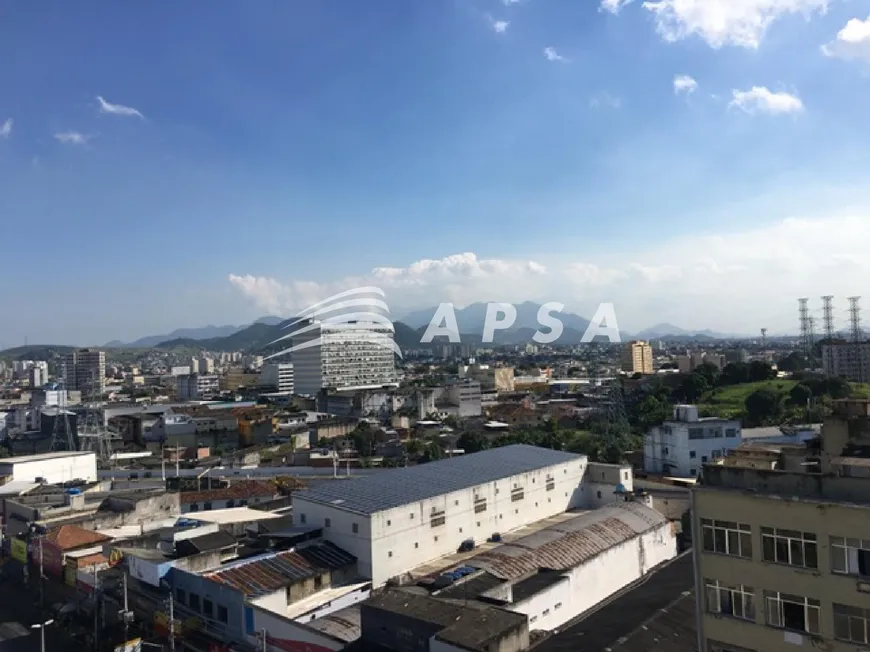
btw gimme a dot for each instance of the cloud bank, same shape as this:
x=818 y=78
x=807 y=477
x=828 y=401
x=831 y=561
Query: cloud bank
x=738 y=282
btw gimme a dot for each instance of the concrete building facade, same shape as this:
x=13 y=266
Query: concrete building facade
x=278 y=375
x=342 y=357
x=781 y=559
x=680 y=447
x=85 y=370
x=637 y=358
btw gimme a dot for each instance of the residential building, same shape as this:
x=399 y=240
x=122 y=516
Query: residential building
x=196 y=386
x=85 y=370
x=343 y=357
x=38 y=374
x=679 y=447
x=239 y=378
x=277 y=375
x=501 y=379
x=206 y=365
x=637 y=358
x=689 y=362
x=180 y=371
x=847 y=360
x=781 y=558
x=393 y=522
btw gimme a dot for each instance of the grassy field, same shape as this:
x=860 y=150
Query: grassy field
x=730 y=401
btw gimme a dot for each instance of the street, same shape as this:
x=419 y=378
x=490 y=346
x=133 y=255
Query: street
x=18 y=611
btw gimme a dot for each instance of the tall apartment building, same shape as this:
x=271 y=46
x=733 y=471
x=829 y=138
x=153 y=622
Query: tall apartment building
x=343 y=357
x=85 y=370
x=781 y=558
x=196 y=386
x=847 y=360
x=278 y=375
x=637 y=357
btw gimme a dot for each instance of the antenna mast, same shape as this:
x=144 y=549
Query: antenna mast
x=828 y=316
x=856 y=335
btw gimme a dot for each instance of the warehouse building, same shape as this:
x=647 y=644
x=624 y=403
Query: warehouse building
x=562 y=571
x=51 y=468
x=393 y=522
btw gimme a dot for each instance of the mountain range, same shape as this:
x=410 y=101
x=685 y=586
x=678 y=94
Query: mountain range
x=203 y=333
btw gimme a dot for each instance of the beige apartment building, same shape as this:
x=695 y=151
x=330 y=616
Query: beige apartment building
x=637 y=357
x=782 y=543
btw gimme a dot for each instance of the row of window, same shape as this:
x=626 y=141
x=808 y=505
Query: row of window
x=788 y=547
x=849 y=556
x=206 y=506
x=205 y=606
x=786 y=611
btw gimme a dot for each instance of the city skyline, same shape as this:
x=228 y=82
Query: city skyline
x=692 y=167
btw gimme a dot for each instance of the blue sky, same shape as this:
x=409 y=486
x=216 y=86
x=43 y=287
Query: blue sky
x=256 y=156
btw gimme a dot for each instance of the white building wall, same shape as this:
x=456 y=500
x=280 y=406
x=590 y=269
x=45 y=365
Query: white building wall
x=394 y=541
x=598 y=579
x=284 y=634
x=54 y=470
x=675 y=448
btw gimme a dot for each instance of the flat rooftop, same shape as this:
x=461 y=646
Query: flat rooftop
x=390 y=489
x=42 y=457
x=662 y=601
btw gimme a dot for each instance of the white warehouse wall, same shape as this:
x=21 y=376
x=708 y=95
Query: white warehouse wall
x=394 y=541
x=55 y=470
x=599 y=578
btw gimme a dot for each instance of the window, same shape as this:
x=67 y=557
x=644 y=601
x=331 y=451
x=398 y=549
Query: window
x=792 y=612
x=302 y=518
x=599 y=494
x=455 y=502
x=412 y=516
x=194 y=602
x=850 y=624
x=327 y=522
x=517 y=494
x=693 y=471
x=194 y=507
x=389 y=523
x=551 y=483
x=692 y=454
x=181 y=596
x=789 y=547
x=730 y=432
x=416 y=545
x=438 y=518
x=207 y=608
x=703 y=458
x=737 y=601
x=850 y=556
x=479 y=505
x=222 y=613
x=696 y=433
x=207 y=506
x=546 y=612
x=354 y=528
x=533 y=619
x=230 y=503
x=390 y=554
x=558 y=605
x=727 y=538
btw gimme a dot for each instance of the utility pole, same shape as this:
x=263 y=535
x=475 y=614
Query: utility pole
x=126 y=611
x=96 y=611
x=41 y=577
x=265 y=641
x=171 y=622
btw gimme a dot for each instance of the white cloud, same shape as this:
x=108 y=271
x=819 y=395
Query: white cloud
x=614 y=6
x=605 y=100
x=693 y=282
x=6 y=128
x=742 y=23
x=72 y=138
x=508 y=3
x=685 y=84
x=760 y=99
x=552 y=55
x=118 y=109
x=499 y=26
x=852 y=42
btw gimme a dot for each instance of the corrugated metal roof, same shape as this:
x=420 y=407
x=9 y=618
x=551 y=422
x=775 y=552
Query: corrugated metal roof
x=262 y=575
x=570 y=543
x=397 y=487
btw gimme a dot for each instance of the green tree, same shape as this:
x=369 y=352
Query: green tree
x=710 y=372
x=694 y=386
x=800 y=394
x=472 y=442
x=763 y=405
x=759 y=371
x=734 y=373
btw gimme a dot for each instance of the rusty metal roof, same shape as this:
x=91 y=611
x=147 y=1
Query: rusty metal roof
x=267 y=573
x=570 y=543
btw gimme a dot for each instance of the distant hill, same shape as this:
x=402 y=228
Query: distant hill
x=192 y=334
x=37 y=351
x=667 y=331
